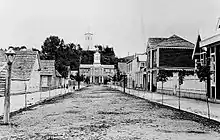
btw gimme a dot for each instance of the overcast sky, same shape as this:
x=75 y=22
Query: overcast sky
x=123 y=24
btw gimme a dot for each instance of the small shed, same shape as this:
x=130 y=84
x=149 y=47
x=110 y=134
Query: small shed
x=49 y=77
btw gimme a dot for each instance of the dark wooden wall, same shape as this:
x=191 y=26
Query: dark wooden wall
x=176 y=57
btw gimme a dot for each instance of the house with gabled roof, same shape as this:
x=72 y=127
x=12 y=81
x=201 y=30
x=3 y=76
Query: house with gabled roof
x=136 y=71
x=209 y=55
x=140 y=74
x=26 y=72
x=25 y=75
x=171 y=54
x=2 y=72
x=122 y=63
x=50 y=78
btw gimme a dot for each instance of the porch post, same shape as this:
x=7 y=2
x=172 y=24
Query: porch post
x=90 y=78
x=151 y=80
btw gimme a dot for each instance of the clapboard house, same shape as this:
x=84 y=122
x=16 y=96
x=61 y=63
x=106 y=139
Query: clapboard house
x=171 y=54
x=50 y=78
x=2 y=72
x=25 y=75
x=207 y=53
x=26 y=71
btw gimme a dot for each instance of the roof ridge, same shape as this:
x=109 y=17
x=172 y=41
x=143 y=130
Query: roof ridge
x=23 y=64
x=170 y=40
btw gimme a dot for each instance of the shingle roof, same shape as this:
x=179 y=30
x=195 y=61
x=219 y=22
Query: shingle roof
x=2 y=56
x=3 y=70
x=154 y=41
x=23 y=64
x=47 y=67
x=2 y=63
x=196 y=51
x=176 y=41
x=128 y=58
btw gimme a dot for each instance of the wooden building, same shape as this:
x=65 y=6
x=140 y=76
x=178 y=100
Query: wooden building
x=171 y=54
x=50 y=78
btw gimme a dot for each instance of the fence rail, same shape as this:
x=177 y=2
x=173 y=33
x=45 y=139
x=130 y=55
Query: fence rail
x=18 y=100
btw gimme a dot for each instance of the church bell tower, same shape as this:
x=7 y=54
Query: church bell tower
x=88 y=41
x=97 y=58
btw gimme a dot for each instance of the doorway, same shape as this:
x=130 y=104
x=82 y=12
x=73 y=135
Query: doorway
x=96 y=80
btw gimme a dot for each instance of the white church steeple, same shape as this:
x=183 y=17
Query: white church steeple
x=97 y=58
x=88 y=40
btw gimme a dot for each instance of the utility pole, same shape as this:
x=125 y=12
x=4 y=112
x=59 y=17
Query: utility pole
x=25 y=90
x=79 y=78
x=7 y=96
x=124 y=82
x=10 y=57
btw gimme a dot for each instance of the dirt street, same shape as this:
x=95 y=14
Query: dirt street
x=99 y=113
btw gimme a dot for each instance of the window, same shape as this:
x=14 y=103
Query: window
x=202 y=58
x=154 y=58
x=44 y=81
x=212 y=50
x=49 y=82
x=107 y=70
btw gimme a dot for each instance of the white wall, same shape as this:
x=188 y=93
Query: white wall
x=190 y=84
x=18 y=86
x=34 y=82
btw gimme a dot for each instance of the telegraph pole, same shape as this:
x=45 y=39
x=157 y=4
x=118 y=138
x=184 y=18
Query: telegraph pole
x=10 y=57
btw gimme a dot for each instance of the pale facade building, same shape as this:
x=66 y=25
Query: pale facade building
x=96 y=72
x=135 y=71
x=209 y=50
x=89 y=41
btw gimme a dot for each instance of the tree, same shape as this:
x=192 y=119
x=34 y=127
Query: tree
x=162 y=77
x=87 y=80
x=50 y=46
x=181 y=79
x=35 y=49
x=72 y=46
x=100 y=47
x=203 y=72
x=65 y=55
x=78 y=78
x=72 y=55
x=114 y=78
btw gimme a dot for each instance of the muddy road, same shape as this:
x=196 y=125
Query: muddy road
x=99 y=113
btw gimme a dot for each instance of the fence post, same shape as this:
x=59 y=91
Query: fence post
x=179 y=97
x=25 y=96
x=49 y=90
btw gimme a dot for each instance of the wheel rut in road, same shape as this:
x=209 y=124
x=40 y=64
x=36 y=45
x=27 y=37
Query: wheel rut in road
x=99 y=112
